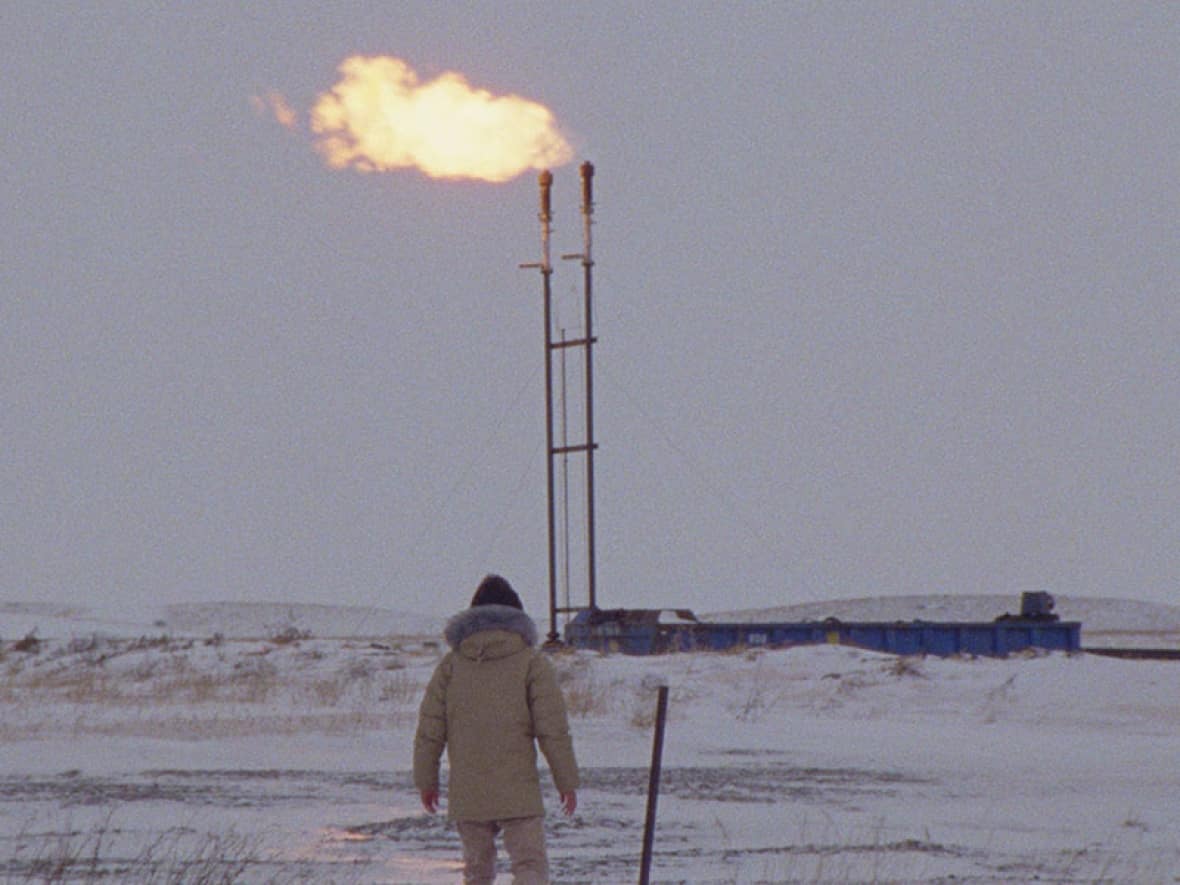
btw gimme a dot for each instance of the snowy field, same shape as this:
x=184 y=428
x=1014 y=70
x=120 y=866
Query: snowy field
x=256 y=743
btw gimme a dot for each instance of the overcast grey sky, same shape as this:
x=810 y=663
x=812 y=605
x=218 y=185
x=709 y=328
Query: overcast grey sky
x=886 y=302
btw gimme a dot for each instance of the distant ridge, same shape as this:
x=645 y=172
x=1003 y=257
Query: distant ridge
x=262 y=619
x=232 y=620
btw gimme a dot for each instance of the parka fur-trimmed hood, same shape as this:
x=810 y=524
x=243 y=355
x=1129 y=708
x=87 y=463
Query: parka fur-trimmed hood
x=489 y=617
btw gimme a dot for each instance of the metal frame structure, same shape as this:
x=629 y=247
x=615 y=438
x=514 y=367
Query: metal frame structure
x=586 y=343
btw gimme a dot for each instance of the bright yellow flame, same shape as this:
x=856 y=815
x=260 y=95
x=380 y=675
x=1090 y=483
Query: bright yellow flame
x=379 y=117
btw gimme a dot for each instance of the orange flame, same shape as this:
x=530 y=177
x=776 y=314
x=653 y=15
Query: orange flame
x=379 y=117
x=275 y=105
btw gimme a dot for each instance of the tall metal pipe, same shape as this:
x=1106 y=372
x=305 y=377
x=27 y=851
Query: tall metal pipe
x=565 y=479
x=546 y=216
x=587 y=170
x=545 y=266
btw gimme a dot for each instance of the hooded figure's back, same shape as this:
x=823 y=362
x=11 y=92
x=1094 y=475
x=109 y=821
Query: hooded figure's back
x=493 y=698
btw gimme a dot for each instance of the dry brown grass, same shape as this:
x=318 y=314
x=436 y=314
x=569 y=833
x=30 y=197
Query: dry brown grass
x=139 y=689
x=584 y=694
x=398 y=688
x=336 y=724
x=643 y=713
x=159 y=687
x=175 y=855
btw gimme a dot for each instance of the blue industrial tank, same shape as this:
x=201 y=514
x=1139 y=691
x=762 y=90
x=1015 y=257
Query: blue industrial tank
x=658 y=631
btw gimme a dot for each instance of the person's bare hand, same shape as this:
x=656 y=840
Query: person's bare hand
x=430 y=800
x=569 y=802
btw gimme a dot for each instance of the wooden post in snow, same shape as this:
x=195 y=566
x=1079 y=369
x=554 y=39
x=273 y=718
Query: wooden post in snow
x=653 y=786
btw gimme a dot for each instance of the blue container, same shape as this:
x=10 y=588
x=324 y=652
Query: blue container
x=658 y=631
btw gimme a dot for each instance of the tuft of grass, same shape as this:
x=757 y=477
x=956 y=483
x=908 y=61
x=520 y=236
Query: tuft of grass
x=289 y=635
x=144 y=643
x=907 y=665
x=643 y=715
x=584 y=695
x=29 y=643
x=256 y=680
x=328 y=691
x=397 y=687
x=175 y=856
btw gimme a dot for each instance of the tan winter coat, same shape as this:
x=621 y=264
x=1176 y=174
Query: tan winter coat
x=492 y=700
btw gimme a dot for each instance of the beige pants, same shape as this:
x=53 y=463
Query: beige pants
x=524 y=840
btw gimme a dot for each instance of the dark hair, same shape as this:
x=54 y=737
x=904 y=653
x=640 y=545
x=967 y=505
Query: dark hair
x=494 y=590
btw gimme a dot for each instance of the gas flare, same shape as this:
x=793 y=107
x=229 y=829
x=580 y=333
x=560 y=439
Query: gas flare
x=275 y=105
x=380 y=117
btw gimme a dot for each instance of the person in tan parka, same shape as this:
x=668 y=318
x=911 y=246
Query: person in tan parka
x=492 y=700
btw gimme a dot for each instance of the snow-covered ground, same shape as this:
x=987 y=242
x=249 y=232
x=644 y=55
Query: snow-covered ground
x=273 y=743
